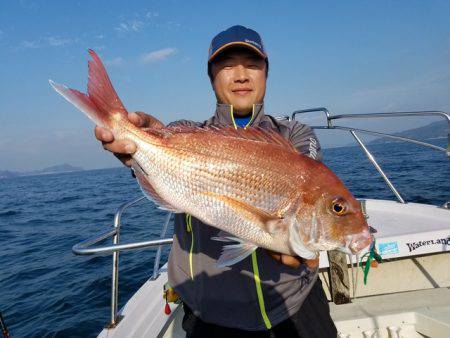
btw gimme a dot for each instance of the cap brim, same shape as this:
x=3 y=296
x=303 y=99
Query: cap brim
x=237 y=43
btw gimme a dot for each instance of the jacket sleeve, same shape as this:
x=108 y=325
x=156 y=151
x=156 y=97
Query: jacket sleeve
x=305 y=140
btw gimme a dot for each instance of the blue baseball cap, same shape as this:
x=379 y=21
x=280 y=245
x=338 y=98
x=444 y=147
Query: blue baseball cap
x=236 y=36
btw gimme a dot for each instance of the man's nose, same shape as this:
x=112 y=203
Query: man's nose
x=241 y=74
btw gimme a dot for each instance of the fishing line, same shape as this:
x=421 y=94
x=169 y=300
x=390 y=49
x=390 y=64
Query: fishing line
x=355 y=286
x=354 y=275
x=350 y=258
x=3 y=327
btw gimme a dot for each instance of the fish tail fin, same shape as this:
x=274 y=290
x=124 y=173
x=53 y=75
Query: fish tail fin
x=82 y=102
x=101 y=103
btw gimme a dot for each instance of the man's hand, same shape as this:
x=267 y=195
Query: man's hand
x=293 y=261
x=123 y=149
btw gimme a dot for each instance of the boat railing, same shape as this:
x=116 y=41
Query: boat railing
x=356 y=131
x=88 y=247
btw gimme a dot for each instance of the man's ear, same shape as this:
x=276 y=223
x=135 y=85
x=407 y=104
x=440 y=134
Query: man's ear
x=211 y=79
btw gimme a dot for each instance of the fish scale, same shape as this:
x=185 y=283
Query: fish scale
x=205 y=178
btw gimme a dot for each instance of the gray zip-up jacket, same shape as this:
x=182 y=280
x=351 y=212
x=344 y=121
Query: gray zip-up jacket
x=256 y=293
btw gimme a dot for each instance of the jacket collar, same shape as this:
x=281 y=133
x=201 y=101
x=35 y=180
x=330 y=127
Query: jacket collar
x=223 y=115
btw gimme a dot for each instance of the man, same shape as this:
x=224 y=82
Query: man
x=267 y=294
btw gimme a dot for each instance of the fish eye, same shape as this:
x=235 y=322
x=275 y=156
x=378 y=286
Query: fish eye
x=338 y=207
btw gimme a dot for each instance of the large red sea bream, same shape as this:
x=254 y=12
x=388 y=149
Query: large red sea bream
x=250 y=183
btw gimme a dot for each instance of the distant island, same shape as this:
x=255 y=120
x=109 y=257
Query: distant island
x=438 y=129
x=61 y=168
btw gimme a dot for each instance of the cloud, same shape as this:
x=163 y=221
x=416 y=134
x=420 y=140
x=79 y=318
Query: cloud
x=186 y=59
x=150 y=15
x=30 y=44
x=56 y=41
x=158 y=55
x=130 y=26
x=115 y=62
x=173 y=25
x=141 y=21
x=47 y=41
x=98 y=47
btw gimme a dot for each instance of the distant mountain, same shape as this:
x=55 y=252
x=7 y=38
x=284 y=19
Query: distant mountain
x=437 y=129
x=60 y=168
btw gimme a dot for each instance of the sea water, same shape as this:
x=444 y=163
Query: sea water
x=47 y=291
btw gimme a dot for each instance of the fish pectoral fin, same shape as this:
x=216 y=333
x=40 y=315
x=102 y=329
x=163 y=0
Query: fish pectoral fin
x=233 y=253
x=224 y=236
x=148 y=189
x=266 y=221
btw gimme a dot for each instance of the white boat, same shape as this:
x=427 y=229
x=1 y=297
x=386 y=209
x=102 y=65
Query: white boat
x=408 y=294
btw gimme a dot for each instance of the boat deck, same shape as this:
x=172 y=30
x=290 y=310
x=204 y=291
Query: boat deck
x=413 y=238
x=424 y=313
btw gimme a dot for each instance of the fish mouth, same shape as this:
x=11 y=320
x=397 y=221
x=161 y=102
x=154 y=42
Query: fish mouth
x=357 y=242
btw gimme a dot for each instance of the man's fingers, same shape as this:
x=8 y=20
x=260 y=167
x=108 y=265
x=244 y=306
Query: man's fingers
x=120 y=147
x=312 y=263
x=136 y=119
x=128 y=161
x=293 y=261
x=125 y=159
x=103 y=134
x=144 y=120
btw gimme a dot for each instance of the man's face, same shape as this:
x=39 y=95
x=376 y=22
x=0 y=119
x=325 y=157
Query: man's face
x=239 y=79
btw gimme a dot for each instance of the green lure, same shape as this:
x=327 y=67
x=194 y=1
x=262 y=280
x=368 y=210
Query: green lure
x=371 y=255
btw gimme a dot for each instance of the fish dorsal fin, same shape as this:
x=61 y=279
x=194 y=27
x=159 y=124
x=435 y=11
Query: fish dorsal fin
x=100 y=89
x=164 y=132
x=148 y=190
x=257 y=134
x=251 y=133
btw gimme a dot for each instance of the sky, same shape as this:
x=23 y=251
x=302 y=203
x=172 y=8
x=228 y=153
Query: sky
x=348 y=56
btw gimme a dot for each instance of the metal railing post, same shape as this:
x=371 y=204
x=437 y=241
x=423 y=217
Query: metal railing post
x=158 y=253
x=115 y=273
x=312 y=110
x=115 y=261
x=377 y=166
